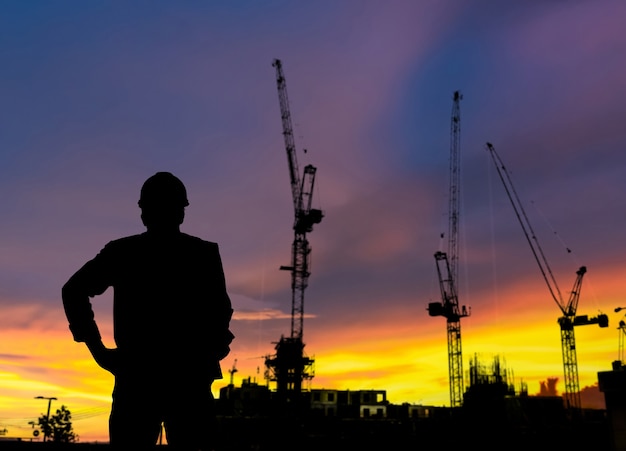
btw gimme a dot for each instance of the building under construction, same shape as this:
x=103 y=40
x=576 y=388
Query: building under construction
x=494 y=416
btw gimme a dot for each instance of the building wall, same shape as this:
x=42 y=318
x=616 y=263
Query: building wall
x=347 y=403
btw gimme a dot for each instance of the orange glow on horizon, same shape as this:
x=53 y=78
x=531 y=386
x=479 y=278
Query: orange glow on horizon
x=398 y=353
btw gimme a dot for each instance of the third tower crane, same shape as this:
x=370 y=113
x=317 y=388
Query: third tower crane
x=569 y=319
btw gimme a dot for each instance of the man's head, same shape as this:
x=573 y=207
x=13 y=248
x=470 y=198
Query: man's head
x=162 y=201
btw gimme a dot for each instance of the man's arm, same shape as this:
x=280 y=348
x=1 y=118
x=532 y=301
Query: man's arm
x=90 y=280
x=75 y=294
x=223 y=309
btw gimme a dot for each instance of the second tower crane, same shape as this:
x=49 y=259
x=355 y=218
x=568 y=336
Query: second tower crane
x=447 y=268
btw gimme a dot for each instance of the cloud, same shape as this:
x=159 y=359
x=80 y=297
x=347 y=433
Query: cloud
x=263 y=315
x=33 y=315
x=14 y=357
x=592 y=398
x=548 y=387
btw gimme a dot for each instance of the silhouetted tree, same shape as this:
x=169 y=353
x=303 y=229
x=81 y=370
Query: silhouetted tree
x=59 y=427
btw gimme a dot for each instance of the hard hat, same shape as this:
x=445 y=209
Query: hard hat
x=163 y=189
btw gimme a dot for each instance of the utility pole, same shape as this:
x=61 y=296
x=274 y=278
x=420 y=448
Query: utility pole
x=620 y=339
x=50 y=399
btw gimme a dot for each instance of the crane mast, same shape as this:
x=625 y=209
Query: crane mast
x=569 y=319
x=290 y=366
x=447 y=267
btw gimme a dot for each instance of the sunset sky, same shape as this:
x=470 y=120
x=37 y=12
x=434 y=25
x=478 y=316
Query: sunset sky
x=98 y=96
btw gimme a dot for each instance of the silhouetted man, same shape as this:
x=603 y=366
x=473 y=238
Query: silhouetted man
x=171 y=316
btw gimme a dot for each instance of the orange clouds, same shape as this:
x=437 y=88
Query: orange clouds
x=46 y=362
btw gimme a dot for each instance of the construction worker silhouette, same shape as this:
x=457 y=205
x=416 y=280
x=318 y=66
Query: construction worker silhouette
x=171 y=316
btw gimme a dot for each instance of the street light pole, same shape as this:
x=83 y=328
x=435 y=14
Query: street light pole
x=50 y=399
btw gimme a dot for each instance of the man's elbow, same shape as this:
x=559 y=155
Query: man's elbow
x=70 y=292
x=67 y=290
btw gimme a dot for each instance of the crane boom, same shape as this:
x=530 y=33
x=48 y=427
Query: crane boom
x=290 y=145
x=569 y=319
x=529 y=233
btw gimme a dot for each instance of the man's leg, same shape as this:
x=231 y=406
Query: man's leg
x=190 y=422
x=135 y=421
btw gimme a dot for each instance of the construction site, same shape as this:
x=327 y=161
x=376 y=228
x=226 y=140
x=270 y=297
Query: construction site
x=391 y=225
x=284 y=411
x=485 y=408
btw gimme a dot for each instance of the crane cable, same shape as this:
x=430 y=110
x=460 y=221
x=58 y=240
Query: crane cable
x=529 y=233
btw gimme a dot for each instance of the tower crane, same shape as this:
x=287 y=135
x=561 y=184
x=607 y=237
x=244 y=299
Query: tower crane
x=290 y=366
x=232 y=372
x=569 y=319
x=621 y=330
x=447 y=267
